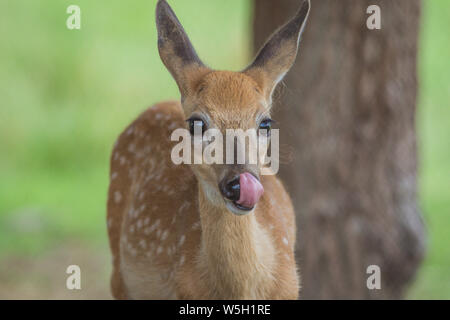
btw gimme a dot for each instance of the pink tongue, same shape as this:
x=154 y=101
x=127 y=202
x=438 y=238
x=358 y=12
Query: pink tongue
x=251 y=190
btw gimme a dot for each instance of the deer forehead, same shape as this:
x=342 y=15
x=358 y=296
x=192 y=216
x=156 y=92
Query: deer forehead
x=230 y=97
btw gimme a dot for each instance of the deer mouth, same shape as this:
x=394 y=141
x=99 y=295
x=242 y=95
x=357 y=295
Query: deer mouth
x=242 y=193
x=241 y=207
x=238 y=209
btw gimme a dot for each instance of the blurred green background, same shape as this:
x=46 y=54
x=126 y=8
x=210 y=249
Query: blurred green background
x=67 y=94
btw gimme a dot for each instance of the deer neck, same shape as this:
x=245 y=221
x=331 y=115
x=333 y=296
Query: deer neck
x=236 y=253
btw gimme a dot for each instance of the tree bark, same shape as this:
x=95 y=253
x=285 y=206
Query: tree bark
x=347 y=131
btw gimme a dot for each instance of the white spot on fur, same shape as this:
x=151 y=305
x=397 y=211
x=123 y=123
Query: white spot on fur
x=131 y=250
x=152 y=228
x=184 y=206
x=181 y=241
x=143 y=244
x=117 y=197
x=172 y=126
x=285 y=241
x=165 y=235
x=131 y=148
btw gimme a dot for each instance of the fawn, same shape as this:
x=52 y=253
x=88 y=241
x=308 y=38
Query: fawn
x=203 y=231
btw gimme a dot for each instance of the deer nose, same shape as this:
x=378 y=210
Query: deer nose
x=231 y=189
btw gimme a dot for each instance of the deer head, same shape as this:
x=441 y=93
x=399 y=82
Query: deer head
x=224 y=100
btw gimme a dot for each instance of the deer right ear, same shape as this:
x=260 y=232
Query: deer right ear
x=278 y=54
x=176 y=50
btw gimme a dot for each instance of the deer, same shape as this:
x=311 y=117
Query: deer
x=203 y=231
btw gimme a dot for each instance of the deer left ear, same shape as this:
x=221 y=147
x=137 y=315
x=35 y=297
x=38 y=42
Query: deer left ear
x=278 y=54
x=176 y=50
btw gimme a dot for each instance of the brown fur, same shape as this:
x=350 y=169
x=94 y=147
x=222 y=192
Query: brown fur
x=171 y=235
x=213 y=239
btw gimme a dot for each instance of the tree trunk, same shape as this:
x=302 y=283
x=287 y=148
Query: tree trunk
x=347 y=134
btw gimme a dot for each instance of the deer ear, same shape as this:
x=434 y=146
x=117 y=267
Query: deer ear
x=176 y=50
x=278 y=54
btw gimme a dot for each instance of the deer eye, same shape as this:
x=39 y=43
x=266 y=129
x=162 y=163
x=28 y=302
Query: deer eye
x=266 y=124
x=196 y=125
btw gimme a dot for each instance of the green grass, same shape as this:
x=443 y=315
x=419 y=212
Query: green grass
x=433 y=124
x=66 y=95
